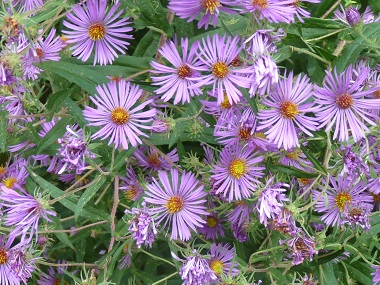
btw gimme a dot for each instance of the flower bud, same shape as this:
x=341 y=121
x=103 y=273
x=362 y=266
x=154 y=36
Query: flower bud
x=353 y=16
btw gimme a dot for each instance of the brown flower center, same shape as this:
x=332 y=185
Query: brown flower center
x=220 y=69
x=97 y=32
x=174 y=204
x=212 y=221
x=217 y=266
x=344 y=101
x=236 y=62
x=131 y=193
x=289 y=110
x=261 y=3
x=154 y=159
x=211 y=5
x=3 y=256
x=341 y=199
x=238 y=168
x=120 y=116
x=184 y=71
x=245 y=133
x=376 y=94
x=39 y=52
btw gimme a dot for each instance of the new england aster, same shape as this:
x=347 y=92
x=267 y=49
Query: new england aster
x=120 y=120
x=91 y=28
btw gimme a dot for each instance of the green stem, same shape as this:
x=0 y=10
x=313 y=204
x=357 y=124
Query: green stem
x=157 y=258
x=265 y=251
x=166 y=278
x=66 y=264
x=360 y=254
x=325 y=36
x=310 y=53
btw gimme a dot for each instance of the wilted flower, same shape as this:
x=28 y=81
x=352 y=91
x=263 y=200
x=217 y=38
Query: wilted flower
x=301 y=247
x=357 y=214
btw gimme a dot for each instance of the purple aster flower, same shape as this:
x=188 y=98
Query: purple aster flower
x=116 y=113
x=6 y=74
x=284 y=223
x=237 y=172
x=7 y=275
x=342 y=104
x=142 y=227
x=22 y=262
x=24 y=212
x=272 y=10
x=195 y=270
x=240 y=232
x=178 y=201
x=218 y=55
x=125 y=261
x=353 y=163
x=153 y=161
x=240 y=215
x=300 y=11
x=16 y=175
x=289 y=103
x=192 y=9
x=176 y=81
x=54 y=275
x=340 y=194
x=308 y=279
x=212 y=229
x=73 y=151
x=301 y=247
x=357 y=215
x=131 y=186
x=351 y=15
x=271 y=200
x=376 y=274
x=295 y=158
x=27 y=5
x=92 y=28
x=222 y=260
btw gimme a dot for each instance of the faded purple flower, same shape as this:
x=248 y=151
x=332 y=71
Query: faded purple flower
x=301 y=247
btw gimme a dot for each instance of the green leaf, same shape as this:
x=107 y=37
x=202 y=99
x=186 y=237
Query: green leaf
x=61 y=236
x=313 y=160
x=55 y=101
x=293 y=171
x=327 y=273
x=3 y=130
x=88 y=194
x=75 y=111
x=360 y=272
x=120 y=159
x=56 y=132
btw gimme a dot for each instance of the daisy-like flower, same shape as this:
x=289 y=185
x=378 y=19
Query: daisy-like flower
x=301 y=247
x=153 y=161
x=213 y=228
x=53 y=275
x=120 y=120
x=340 y=194
x=130 y=185
x=284 y=223
x=24 y=212
x=7 y=275
x=289 y=105
x=274 y=11
x=222 y=260
x=175 y=81
x=178 y=202
x=357 y=214
x=237 y=172
x=343 y=105
x=92 y=28
x=218 y=56
x=240 y=215
x=192 y=9
x=376 y=274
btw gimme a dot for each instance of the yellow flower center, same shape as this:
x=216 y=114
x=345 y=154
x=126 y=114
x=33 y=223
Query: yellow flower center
x=245 y=134
x=217 y=266
x=211 y=5
x=260 y=135
x=292 y=155
x=220 y=69
x=226 y=103
x=131 y=193
x=97 y=32
x=174 y=204
x=341 y=199
x=3 y=256
x=2 y=170
x=153 y=159
x=304 y=181
x=9 y=182
x=344 y=101
x=289 y=110
x=262 y=3
x=238 y=168
x=120 y=116
x=184 y=71
x=212 y=222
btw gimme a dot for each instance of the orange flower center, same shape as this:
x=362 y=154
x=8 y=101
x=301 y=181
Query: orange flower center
x=9 y=182
x=304 y=181
x=238 y=168
x=245 y=134
x=292 y=155
x=153 y=159
x=131 y=193
x=344 y=101
x=261 y=3
x=120 y=116
x=220 y=69
x=3 y=256
x=212 y=222
x=211 y=5
x=97 y=32
x=40 y=53
x=217 y=266
x=341 y=199
x=59 y=282
x=174 y=204
x=226 y=103
x=184 y=71
x=289 y=110
x=2 y=170
x=376 y=94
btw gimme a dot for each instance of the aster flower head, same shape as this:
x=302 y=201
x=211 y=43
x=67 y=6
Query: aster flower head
x=93 y=28
x=196 y=270
x=301 y=247
x=178 y=202
x=300 y=11
x=271 y=200
x=237 y=172
x=54 y=275
x=212 y=229
x=131 y=186
x=217 y=55
x=150 y=159
x=117 y=114
x=284 y=223
x=341 y=193
x=343 y=104
x=240 y=214
x=175 y=81
x=22 y=262
x=376 y=274
x=7 y=274
x=191 y=10
x=353 y=162
x=240 y=232
x=24 y=212
x=222 y=260
x=125 y=261
x=357 y=215
x=274 y=11
x=289 y=105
